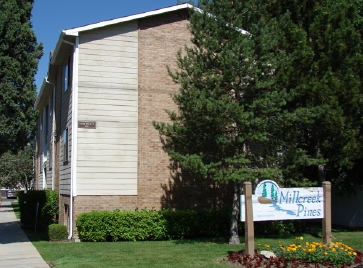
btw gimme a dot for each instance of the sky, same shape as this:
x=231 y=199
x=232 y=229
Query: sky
x=50 y=17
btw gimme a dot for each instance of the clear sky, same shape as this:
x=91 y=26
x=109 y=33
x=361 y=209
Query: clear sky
x=50 y=17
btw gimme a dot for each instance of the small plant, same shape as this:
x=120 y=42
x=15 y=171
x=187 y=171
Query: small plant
x=57 y=232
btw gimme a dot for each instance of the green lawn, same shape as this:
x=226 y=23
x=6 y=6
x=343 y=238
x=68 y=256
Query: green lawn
x=179 y=253
x=182 y=253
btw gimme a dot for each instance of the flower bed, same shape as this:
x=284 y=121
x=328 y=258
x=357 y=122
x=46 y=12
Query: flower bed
x=301 y=254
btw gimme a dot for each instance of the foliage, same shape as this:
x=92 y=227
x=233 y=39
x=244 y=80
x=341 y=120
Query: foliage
x=335 y=253
x=57 y=232
x=121 y=225
x=38 y=207
x=259 y=260
x=168 y=224
x=19 y=55
x=322 y=75
x=17 y=170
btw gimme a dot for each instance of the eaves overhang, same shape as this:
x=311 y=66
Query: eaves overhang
x=76 y=31
x=44 y=94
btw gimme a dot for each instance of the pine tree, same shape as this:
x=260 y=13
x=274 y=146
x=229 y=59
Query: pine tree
x=321 y=129
x=227 y=103
x=19 y=55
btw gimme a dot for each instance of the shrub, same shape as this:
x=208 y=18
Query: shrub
x=57 y=232
x=121 y=225
x=39 y=207
x=167 y=224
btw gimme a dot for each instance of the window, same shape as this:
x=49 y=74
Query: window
x=65 y=146
x=45 y=132
x=51 y=104
x=67 y=74
x=41 y=120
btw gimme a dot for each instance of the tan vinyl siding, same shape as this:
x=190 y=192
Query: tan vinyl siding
x=66 y=122
x=107 y=95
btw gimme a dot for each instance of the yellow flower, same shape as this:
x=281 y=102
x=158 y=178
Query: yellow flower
x=349 y=253
x=325 y=253
x=354 y=253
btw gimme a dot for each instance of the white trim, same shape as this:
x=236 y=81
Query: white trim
x=75 y=117
x=74 y=152
x=76 y=31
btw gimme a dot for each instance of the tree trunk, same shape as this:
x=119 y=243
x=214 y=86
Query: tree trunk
x=321 y=168
x=234 y=239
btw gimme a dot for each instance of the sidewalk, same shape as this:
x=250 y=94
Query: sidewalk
x=15 y=248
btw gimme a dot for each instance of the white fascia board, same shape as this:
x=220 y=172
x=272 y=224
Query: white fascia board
x=57 y=47
x=41 y=92
x=76 y=31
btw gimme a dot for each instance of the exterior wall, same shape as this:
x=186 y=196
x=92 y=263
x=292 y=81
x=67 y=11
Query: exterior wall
x=160 y=184
x=45 y=146
x=107 y=95
x=106 y=202
x=348 y=210
x=65 y=120
x=64 y=210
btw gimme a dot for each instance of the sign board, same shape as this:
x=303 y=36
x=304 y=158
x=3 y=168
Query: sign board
x=270 y=202
x=87 y=124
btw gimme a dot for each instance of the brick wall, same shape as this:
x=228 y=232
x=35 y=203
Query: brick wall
x=159 y=184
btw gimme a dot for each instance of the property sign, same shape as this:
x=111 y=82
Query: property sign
x=270 y=202
x=87 y=124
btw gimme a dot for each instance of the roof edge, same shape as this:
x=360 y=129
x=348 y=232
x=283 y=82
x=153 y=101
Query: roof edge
x=76 y=31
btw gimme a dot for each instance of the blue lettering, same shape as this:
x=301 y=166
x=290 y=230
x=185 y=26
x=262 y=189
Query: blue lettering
x=300 y=208
x=283 y=198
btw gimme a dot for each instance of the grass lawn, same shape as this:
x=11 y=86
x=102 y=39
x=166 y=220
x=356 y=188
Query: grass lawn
x=180 y=253
x=177 y=253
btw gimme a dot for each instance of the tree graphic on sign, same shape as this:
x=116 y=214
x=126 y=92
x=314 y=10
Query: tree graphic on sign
x=264 y=192
x=272 y=191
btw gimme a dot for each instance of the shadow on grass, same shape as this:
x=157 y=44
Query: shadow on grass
x=214 y=240
x=37 y=236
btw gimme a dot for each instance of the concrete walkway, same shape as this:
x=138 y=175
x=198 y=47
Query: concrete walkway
x=15 y=248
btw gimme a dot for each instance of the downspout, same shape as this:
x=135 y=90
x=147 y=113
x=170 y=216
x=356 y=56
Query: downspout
x=54 y=131
x=73 y=190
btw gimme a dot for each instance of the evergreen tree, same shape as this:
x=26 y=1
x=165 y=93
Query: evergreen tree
x=321 y=129
x=227 y=103
x=19 y=55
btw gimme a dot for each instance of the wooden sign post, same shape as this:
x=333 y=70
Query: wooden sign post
x=249 y=228
x=327 y=236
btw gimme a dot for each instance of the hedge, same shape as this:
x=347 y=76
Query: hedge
x=98 y=226
x=47 y=208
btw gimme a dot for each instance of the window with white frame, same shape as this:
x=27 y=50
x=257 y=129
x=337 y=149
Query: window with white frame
x=65 y=146
x=45 y=132
x=67 y=74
